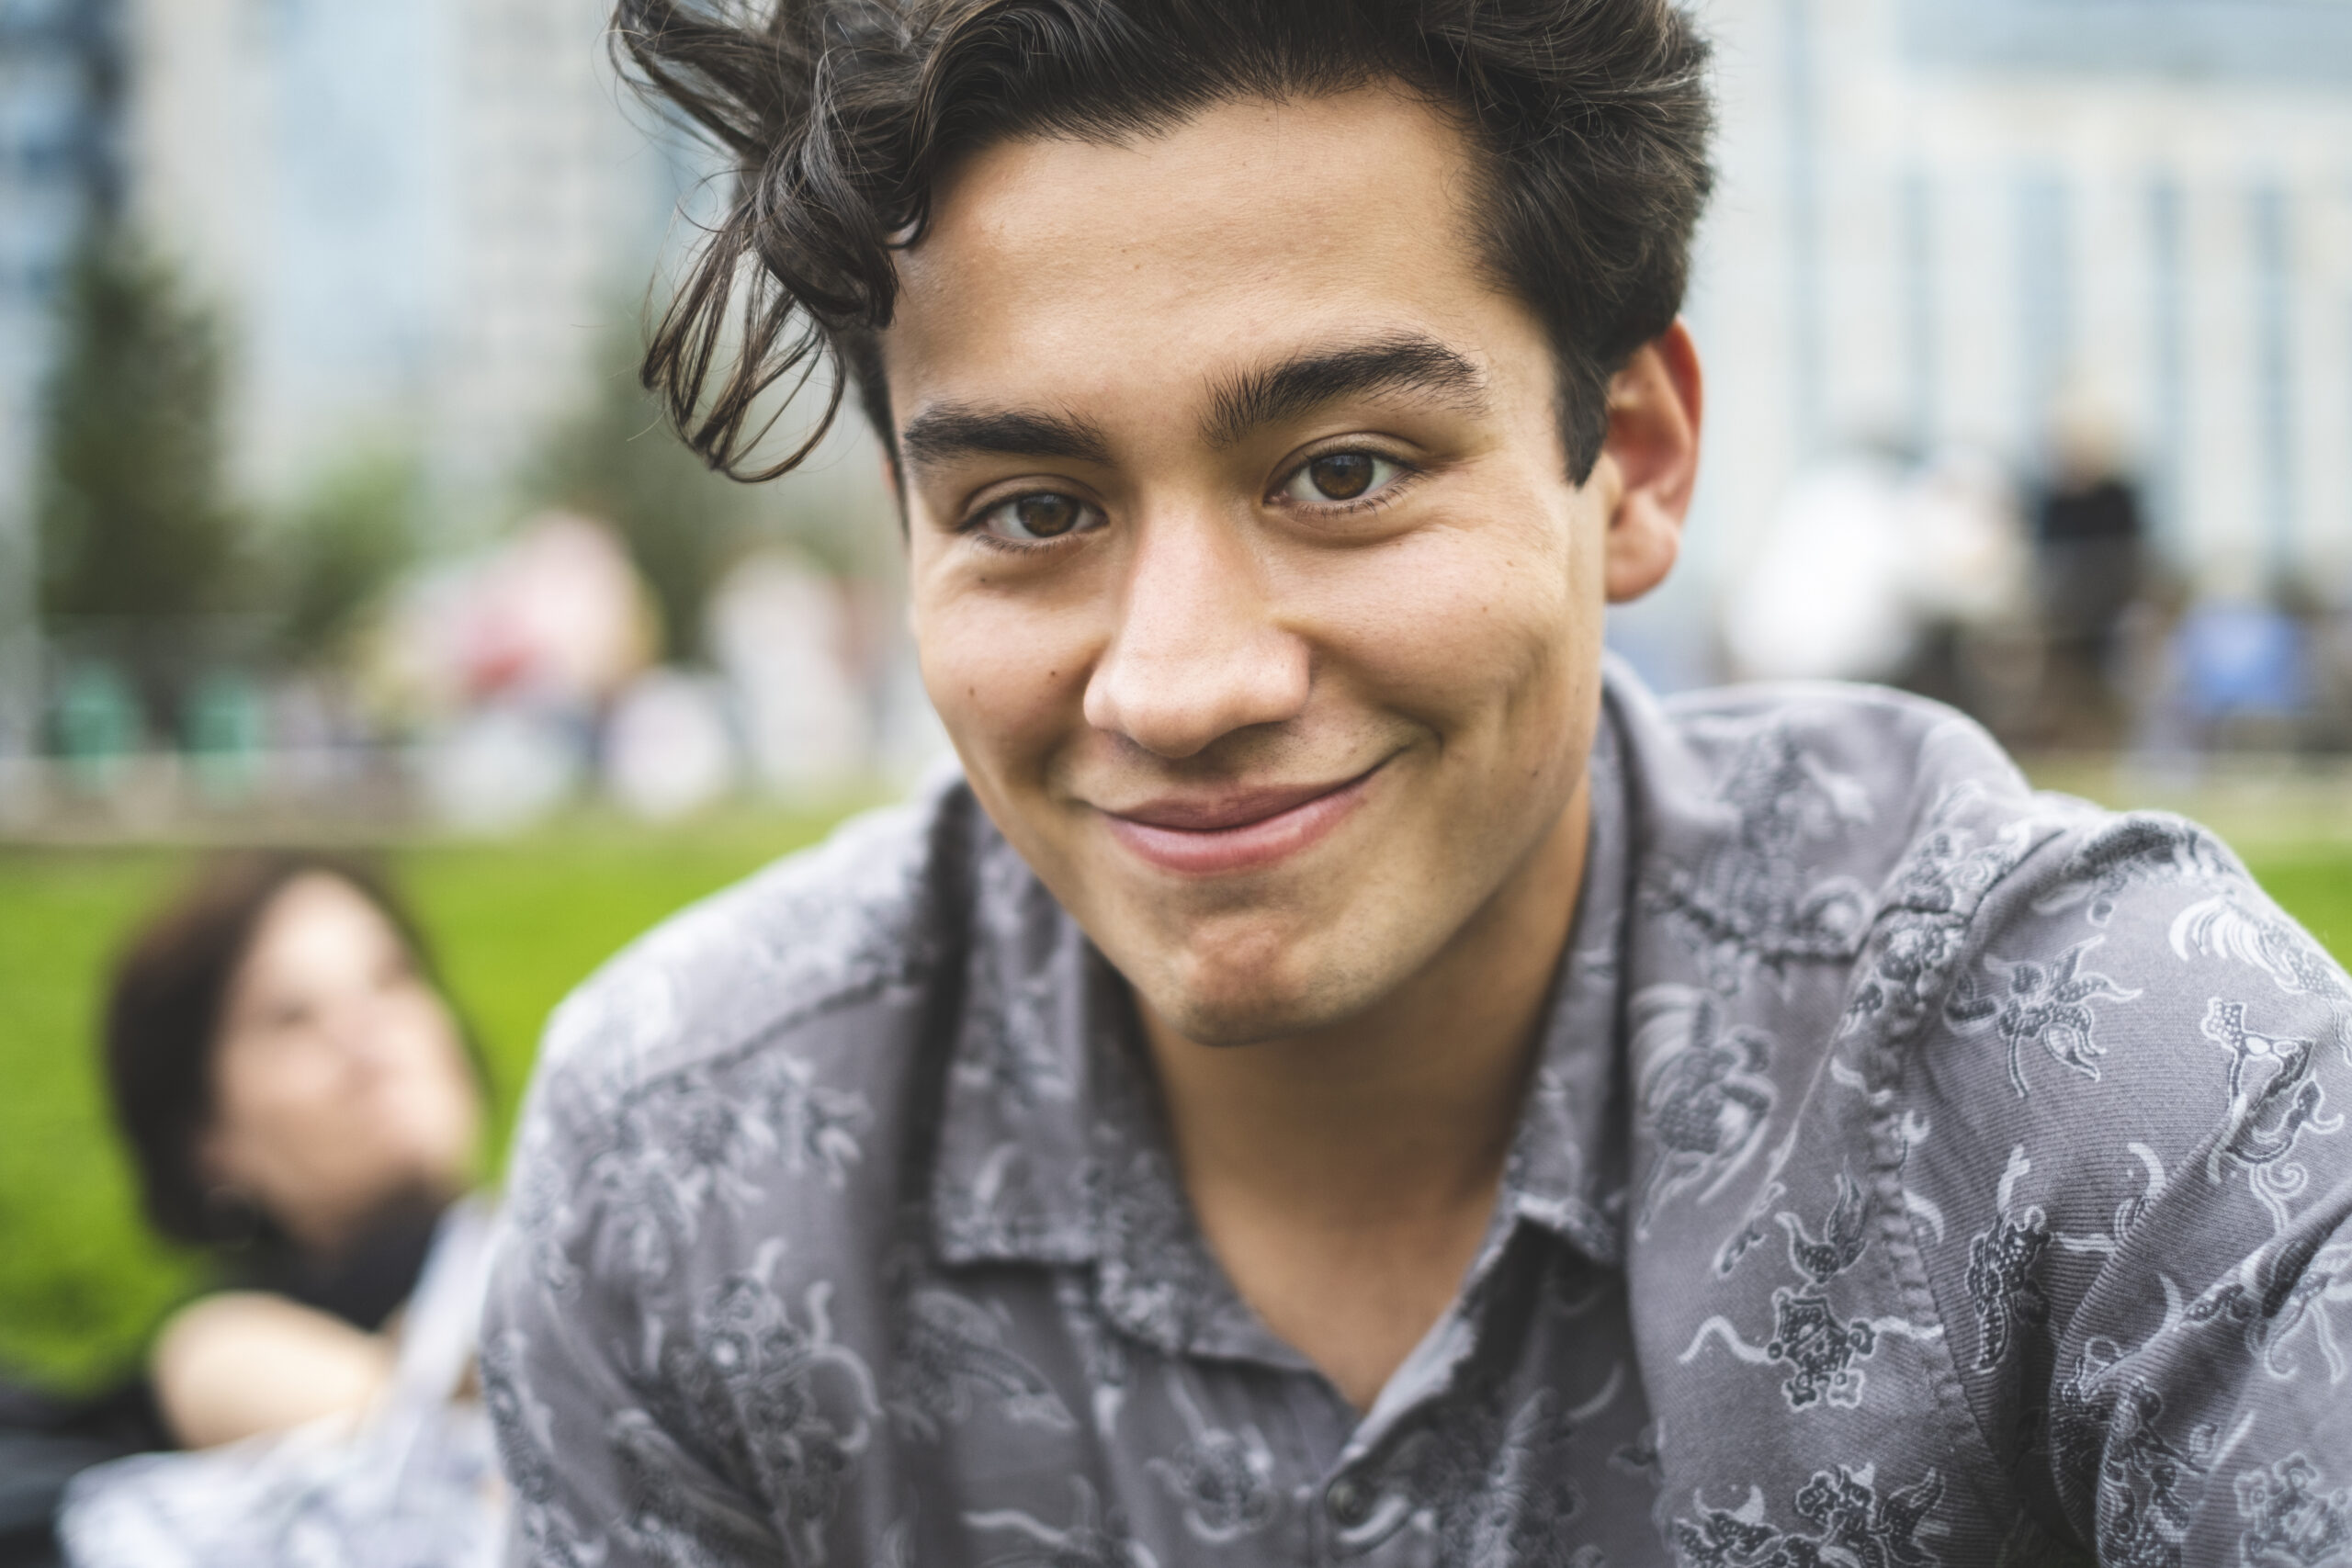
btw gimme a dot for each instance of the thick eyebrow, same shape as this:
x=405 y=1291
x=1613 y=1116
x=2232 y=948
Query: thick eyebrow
x=1306 y=381
x=958 y=430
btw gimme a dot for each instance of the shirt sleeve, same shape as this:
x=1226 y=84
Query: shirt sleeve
x=2134 y=1141
x=605 y=1466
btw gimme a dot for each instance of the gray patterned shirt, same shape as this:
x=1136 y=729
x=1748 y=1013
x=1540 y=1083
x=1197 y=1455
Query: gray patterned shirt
x=1919 y=1170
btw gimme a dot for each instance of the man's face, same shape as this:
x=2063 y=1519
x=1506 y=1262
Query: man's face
x=1246 y=573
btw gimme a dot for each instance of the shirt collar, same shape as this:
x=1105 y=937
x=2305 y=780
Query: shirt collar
x=1051 y=1147
x=1569 y=1161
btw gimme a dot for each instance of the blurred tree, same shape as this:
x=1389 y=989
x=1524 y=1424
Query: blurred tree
x=133 y=519
x=340 y=548
x=616 y=459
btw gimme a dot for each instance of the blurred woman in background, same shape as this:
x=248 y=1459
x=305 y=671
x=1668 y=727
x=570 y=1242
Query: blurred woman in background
x=298 y=1095
x=300 y=1098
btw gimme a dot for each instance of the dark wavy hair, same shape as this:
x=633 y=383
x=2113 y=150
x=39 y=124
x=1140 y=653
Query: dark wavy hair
x=836 y=116
x=163 y=1015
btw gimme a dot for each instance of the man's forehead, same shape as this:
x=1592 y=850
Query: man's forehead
x=1250 y=235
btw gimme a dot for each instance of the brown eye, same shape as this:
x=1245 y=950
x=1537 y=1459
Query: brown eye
x=1046 y=516
x=1341 y=476
x=1033 y=518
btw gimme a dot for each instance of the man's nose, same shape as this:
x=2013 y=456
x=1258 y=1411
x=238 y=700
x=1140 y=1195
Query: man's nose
x=1198 y=652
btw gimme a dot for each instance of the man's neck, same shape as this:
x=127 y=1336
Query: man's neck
x=1344 y=1178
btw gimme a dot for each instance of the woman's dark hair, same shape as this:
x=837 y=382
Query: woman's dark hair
x=838 y=115
x=164 y=1017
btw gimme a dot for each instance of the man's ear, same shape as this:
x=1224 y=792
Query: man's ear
x=1653 y=448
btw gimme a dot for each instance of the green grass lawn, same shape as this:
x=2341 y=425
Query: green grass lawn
x=515 y=924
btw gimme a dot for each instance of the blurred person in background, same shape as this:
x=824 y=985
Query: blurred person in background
x=2087 y=527
x=1879 y=565
x=300 y=1100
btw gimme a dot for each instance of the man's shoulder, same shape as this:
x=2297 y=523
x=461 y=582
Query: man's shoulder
x=1867 y=755
x=866 y=917
x=1817 y=802
x=738 y=1071
x=1844 y=763
x=1824 y=820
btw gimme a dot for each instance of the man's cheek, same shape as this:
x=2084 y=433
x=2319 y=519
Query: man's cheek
x=1006 y=681
x=1447 y=612
x=1461 y=667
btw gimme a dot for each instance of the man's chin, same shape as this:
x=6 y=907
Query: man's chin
x=1235 y=1010
x=1226 y=1028
x=1264 y=969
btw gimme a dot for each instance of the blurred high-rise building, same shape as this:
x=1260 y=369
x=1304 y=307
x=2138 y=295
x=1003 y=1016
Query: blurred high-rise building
x=61 y=80
x=412 y=218
x=414 y=214
x=1963 y=223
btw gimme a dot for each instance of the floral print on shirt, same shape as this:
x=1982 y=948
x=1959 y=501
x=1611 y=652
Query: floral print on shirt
x=1918 y=1170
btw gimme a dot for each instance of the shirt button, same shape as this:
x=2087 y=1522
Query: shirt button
x=1348 y=1502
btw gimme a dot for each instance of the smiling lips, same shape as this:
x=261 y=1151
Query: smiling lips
x=1240 y=832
